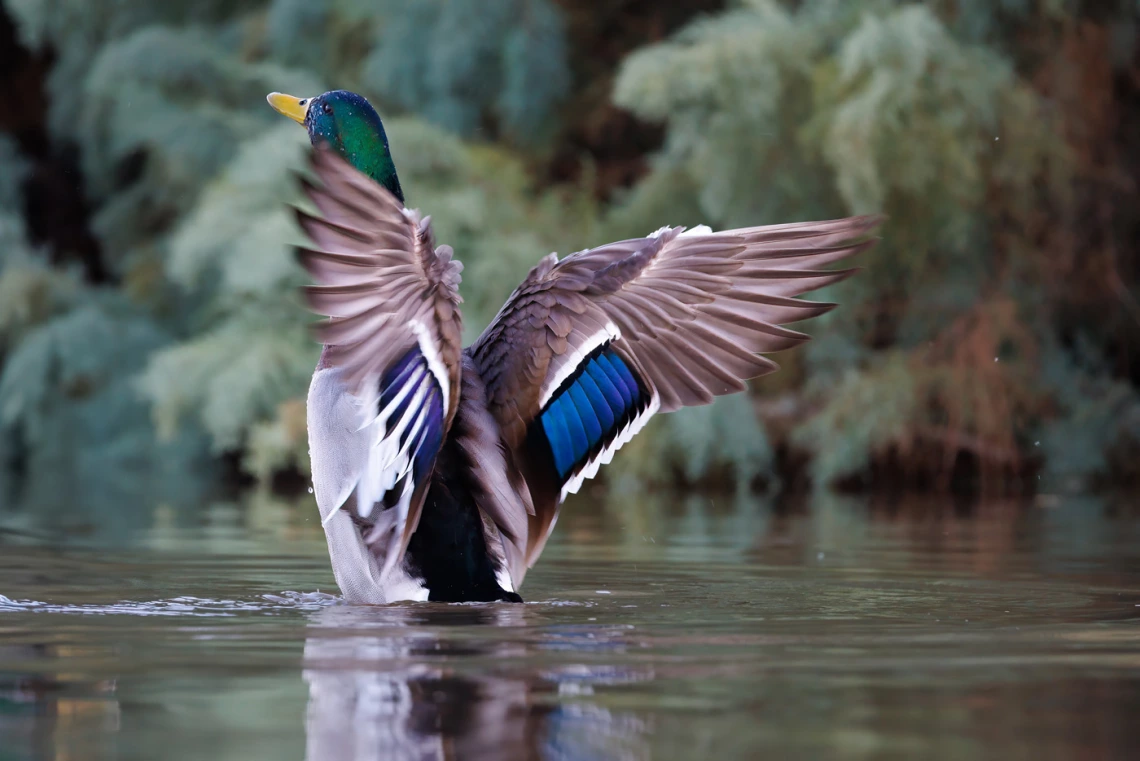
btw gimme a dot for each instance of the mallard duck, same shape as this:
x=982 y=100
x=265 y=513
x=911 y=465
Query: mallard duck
x=439 y=470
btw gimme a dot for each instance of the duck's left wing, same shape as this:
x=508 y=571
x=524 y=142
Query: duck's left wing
x=388 y=385
x=588 y=348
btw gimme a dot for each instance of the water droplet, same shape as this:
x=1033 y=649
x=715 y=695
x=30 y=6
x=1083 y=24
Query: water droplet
x=819 y=556
x=310 y=490
x=1037 y=443
x=995 y=359
x=602 y=591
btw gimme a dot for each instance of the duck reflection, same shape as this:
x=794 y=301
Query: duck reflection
x=454 y=681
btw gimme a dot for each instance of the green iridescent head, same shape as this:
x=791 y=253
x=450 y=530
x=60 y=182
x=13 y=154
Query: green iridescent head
x=348 y=123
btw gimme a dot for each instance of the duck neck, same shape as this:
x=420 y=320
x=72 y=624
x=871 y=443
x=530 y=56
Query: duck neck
x=365 y=146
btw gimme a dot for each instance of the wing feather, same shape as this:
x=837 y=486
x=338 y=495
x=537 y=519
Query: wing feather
x=390 y=370
x=604 y=338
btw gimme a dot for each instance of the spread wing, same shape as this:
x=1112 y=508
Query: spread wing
x=387 y=388
x=588 y=348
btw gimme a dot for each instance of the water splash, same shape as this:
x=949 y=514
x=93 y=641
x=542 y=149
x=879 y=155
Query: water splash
x=268 y=604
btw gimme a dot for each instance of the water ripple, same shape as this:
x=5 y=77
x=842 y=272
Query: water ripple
x=268 y=604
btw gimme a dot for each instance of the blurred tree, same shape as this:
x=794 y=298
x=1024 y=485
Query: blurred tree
x=74 y=435
x=472 y=64
x=31 y=291
x=777 y=113
x=492 y=68
x=995 y=332
x=66 y=396
x=78 y=32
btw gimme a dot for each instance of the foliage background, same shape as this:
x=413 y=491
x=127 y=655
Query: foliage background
x=151 y=346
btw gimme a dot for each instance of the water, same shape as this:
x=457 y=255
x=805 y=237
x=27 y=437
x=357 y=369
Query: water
x=654 y=629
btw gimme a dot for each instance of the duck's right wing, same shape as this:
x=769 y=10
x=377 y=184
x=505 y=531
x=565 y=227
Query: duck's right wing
x=387 y=389
x=588 y=348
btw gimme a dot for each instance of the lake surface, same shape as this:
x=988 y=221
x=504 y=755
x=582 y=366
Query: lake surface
x=654 y=628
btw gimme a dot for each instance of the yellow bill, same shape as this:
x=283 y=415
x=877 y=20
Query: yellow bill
x=294 y=108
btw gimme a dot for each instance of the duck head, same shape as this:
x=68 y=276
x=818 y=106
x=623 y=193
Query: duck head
x=350 y=125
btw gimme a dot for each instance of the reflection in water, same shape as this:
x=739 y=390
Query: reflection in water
x=379 y=688
x=422 y=682
x=59 y=716
x=694 y=628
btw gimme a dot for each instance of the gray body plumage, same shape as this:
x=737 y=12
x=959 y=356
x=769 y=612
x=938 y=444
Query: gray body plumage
x=583 y=353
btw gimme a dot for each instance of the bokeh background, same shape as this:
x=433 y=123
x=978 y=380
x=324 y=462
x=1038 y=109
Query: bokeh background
x=153 y=350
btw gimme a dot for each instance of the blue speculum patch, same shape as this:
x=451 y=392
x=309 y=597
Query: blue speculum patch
x=597 y=401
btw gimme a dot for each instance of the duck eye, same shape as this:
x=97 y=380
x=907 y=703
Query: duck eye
x=302 y=102
x=326 y=108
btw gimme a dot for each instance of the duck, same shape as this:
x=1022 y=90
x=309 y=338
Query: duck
x=439 y=470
